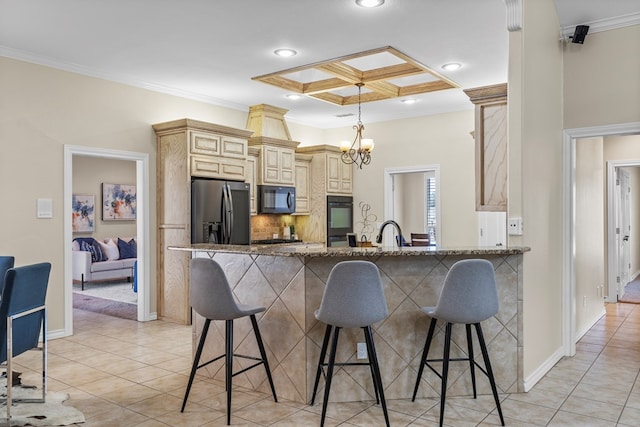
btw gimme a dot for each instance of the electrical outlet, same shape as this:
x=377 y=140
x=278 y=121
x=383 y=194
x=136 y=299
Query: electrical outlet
x=584 y=301
x=361 y=351
x=515 y=226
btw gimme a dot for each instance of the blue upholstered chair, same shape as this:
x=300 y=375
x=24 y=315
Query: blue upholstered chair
x=211 y=297
x=469 y=296
x=353 y=298
x=22 y=317
x=6 y=262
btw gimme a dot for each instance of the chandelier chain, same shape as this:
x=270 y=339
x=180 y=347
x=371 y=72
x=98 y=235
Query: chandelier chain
x=359 y=152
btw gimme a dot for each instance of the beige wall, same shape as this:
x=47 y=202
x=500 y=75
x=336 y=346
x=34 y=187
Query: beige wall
x=601 y=79
x=439 y=139
x=88 y=175
x=41 y=109
x=535 y=122
x=590 y=227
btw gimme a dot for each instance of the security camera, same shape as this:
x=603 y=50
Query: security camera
x=579 y=34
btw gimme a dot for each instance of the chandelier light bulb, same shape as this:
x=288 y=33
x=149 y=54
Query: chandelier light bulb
x=367 y=144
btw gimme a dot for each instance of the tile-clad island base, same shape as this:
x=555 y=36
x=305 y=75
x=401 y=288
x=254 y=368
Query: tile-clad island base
x=289 y=282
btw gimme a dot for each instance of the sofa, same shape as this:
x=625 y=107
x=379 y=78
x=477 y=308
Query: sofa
x=103 y=259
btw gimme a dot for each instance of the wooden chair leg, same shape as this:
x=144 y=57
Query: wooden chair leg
x=376 y=368
x=196 y=360
x=423 y=360
x=327 y=387
x=487 y=364
x=228 y=365
x=323 y=353
x=445 y=370
x=472 y=365
x=263 y=354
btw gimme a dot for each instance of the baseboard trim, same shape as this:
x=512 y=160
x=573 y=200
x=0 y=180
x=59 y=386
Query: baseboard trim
x=59 y=333
x=581 y=333
x=542 y=370
x=548 y=364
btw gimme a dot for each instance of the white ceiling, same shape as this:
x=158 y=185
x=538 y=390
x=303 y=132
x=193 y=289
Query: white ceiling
x=209 y=49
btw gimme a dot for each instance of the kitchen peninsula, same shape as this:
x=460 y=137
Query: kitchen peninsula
x=289 y=281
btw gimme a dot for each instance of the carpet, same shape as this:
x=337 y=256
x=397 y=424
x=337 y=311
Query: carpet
x=50 y=413
x=113 y=290
x=631 y=292
x=119 y=309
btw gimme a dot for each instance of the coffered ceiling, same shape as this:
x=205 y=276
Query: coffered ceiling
x=384 y=73
x=218 y=51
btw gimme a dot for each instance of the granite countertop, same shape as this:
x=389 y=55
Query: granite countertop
x=319 y=249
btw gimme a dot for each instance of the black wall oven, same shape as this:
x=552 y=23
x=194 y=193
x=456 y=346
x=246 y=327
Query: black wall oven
x=339 y=220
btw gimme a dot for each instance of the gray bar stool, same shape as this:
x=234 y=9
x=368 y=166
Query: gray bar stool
x=211 y=297
x=468 y=296
x=353 y=298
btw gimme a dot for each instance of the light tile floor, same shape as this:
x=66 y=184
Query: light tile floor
x=124 y=373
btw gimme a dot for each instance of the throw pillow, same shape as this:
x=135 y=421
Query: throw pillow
x=110 y=250
x=89 y=244
x=128 y=249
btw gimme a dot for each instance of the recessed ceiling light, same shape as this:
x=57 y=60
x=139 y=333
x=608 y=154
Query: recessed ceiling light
x=285 y=53
x=369 y=3
x=409 y=101
x=452 y=66
x=292 y=96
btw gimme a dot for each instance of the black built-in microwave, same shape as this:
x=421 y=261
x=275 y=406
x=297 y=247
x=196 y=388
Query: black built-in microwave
x=275 y=199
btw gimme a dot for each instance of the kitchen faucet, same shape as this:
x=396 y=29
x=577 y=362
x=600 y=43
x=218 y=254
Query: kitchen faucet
x=395 y=224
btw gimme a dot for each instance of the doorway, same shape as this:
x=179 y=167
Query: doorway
x=142 y=225
x=570 y=138
x=425 y=221
x=618 y=226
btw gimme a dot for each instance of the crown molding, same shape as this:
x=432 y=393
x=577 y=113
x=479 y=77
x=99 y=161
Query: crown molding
x=604 y=24
x=32 y=58
x=514 y=14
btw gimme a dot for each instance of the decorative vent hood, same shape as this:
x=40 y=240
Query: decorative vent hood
x=269 y=126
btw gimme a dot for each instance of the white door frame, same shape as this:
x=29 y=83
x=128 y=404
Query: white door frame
x=388 y=195
x=612 y=214
x=569 y=137
x=142 y=225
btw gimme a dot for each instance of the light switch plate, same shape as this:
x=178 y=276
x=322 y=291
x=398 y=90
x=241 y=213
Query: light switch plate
x=44 y=208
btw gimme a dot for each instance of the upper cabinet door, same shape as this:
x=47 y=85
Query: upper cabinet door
x=492 y=168
x=338 y=175
x=278 y=165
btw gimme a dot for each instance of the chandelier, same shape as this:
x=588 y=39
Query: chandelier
x=359 y=151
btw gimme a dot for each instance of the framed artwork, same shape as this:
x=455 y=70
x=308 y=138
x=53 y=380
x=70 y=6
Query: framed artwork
x=83 y=212
x=118 y=202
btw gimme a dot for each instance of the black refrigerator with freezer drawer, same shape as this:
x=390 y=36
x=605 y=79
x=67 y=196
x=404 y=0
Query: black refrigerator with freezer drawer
x=220 y=212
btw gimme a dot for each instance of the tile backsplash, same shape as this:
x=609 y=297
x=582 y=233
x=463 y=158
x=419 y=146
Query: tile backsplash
x=264 y=226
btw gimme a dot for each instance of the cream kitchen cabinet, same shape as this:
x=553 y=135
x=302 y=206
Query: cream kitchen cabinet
x=252 y=174
x=187 y=148
x=339 y=175
x=303 y=184
x=490 y=136
x=214 y=155
x=277 y=165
